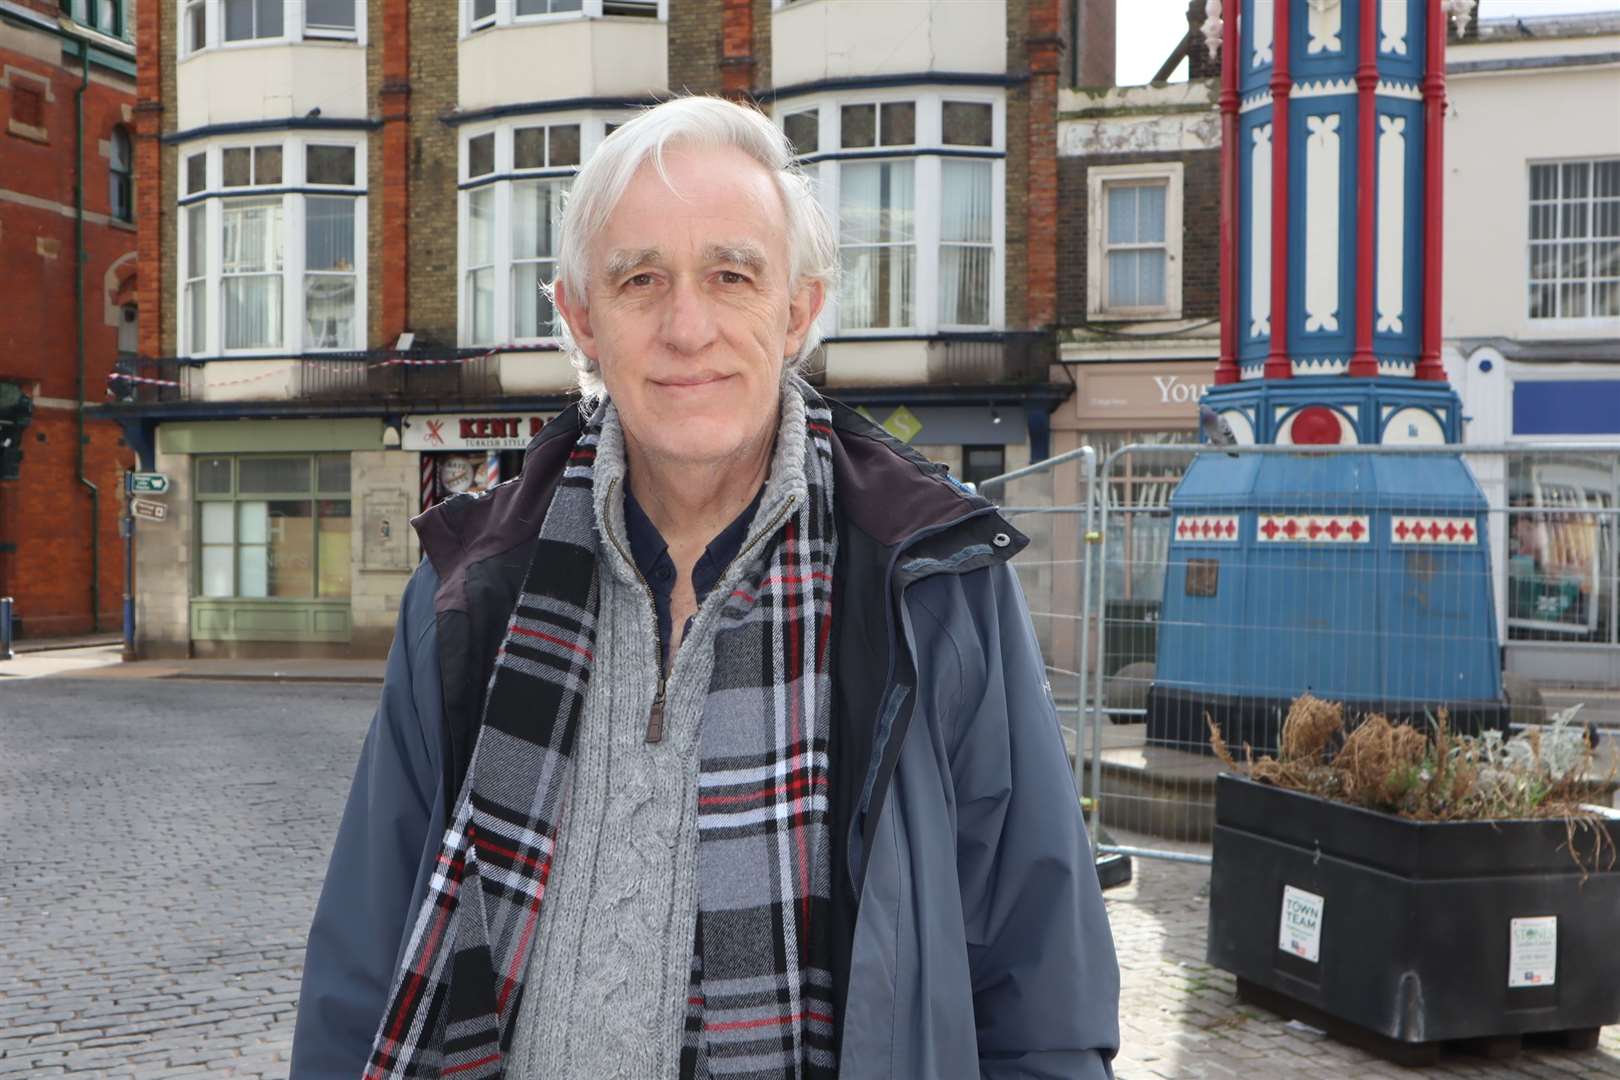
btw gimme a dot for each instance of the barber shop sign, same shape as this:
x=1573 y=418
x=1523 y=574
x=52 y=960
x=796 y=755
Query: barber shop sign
x=471 y=431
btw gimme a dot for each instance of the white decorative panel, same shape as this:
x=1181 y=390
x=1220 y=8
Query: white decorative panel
x=1391 y=223
x=1264 y=20
x=1260 y=234
x=1238 y=421
x=1414 y=427
x=1444 y=531
x=1392 y=26
x=1322 y=207
x=1325 y=21
x=1207 y=528
x=1313 y=529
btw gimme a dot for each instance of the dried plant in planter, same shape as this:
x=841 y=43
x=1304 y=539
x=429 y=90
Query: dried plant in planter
x=1434 y=775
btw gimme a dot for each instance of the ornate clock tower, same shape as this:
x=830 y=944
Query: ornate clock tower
x=1362 y=578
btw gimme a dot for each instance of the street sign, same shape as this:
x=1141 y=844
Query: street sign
x=148 y=483
x=146 y=508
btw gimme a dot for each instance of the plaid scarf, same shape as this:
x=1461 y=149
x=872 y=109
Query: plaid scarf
x=760 y=1002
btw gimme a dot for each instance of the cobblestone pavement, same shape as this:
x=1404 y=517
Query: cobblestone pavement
x=164 y=843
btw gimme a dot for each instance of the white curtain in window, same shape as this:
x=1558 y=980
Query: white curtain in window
x=1136 y=256
x=536 y=213
x=480 y=268
x=329 y=278
x=966 y=244
x=196 y=278
x=877 y=224
x=251 y=265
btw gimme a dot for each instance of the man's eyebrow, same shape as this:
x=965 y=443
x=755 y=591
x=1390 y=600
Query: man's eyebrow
x=622 y=262
x=745 y=255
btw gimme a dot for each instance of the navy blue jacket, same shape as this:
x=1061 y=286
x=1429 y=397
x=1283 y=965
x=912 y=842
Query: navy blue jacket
x=971 y=938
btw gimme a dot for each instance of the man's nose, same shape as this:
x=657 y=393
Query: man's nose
x=689 y=323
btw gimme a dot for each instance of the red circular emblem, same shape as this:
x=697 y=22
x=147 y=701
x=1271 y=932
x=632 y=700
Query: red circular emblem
x=1316 y=425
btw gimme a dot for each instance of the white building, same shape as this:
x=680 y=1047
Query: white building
x=1532 y=320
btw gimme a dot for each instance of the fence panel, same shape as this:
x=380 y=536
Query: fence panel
x=1408 y=582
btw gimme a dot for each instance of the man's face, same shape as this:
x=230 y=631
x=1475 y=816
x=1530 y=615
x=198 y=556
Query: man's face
x=687 y=311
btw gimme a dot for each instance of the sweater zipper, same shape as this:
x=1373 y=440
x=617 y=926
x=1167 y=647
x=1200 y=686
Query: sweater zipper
x=655 y=718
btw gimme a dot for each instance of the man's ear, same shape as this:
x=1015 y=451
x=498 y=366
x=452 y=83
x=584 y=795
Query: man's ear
x=806 y=304
x=578 y=318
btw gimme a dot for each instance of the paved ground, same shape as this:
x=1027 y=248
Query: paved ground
x=165 y=842
x=165 y=839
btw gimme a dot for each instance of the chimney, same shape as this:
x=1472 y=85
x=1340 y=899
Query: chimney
x=1091 y=36
x=1200 y=65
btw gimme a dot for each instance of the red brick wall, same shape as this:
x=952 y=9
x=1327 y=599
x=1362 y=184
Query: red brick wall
x=45 y=515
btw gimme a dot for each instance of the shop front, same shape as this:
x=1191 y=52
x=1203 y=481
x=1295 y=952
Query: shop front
x=1558 y=556
x=467 y=452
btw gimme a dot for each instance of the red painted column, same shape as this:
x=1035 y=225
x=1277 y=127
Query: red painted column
x=1429 y=367
x=1278 y=365
x=1226 y=369
x=1363 y=364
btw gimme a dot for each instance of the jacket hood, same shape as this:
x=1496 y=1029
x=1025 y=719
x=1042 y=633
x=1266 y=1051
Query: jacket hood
x=883 y=487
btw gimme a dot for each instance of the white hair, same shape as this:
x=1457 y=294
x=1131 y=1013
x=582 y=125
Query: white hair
x=707 y=122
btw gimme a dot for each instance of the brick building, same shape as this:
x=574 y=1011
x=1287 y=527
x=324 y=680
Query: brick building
x=351 y=202
x=67 y=261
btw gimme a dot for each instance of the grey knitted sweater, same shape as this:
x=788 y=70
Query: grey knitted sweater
x=610 y=967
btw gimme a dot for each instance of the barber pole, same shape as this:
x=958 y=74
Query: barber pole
x=430 y=482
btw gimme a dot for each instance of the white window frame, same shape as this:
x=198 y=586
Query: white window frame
x=292 y=190
x=501 y=179
x=927 y=152
x=506 y=15
x=1582 y=326
x=1098 y=179
x=293 y=26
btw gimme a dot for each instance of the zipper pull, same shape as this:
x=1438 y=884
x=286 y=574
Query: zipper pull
x=655 y=720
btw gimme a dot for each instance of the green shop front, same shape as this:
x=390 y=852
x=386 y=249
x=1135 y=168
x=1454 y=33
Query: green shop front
x=295 y=533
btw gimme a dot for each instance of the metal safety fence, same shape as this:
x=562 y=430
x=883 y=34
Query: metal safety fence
x=1178 y=590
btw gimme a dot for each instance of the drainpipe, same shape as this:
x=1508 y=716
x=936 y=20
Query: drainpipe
x=78 y=320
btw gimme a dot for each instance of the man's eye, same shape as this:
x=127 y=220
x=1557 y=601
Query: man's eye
x=640 y=280
x=732 y=277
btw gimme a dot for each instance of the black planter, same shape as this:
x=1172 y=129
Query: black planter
x=1414 y=938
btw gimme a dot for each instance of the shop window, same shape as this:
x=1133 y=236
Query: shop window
x=1135 y=241
x=1575 y=240
x=980 y=463
x=274 y=527
x=120 y=175
x=1562 y=542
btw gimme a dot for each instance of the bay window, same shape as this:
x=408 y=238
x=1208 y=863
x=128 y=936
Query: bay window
x=270 y=244
x=514 y=179
x=482 y=14
x=917 y=181
x=208 y=24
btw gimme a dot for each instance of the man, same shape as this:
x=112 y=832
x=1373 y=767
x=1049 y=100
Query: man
x=717 y=744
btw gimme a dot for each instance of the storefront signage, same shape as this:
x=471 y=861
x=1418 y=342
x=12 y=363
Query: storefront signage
x=471 y=431
x=1147 y=396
